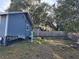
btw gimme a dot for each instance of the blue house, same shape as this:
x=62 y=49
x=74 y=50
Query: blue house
x=15 y=25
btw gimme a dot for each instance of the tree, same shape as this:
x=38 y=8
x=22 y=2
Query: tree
x=20 y=5
x=66 y=15
x=40 y=13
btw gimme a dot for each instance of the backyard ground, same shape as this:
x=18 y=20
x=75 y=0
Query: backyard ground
x=40 y=49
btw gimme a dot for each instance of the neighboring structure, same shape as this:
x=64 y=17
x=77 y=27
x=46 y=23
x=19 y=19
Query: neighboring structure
x=15 y=25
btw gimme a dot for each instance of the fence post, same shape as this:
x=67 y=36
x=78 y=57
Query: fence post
x=31 y=36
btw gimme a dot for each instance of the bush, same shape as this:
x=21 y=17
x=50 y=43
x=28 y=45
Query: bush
x=40 y=40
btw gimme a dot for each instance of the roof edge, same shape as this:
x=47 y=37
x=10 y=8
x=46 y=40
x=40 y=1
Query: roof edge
x=2 y=13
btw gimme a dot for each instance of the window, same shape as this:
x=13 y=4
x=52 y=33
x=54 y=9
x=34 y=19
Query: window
x=27 y=27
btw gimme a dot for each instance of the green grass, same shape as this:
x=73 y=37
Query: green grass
x=35 y=50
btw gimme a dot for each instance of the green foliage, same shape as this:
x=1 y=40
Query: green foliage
x=39 y=13
x=66 y=15
x=40 y=41
x=19 y=5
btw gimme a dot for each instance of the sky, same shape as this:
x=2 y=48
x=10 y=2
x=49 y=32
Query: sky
x=50 y=2
x=4 y=4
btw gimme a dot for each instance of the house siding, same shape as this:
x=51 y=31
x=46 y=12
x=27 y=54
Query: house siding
x=2 y=25
x=17 y=25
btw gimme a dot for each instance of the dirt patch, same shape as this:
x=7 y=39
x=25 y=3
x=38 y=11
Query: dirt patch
x=55 y=42
x=54 y=49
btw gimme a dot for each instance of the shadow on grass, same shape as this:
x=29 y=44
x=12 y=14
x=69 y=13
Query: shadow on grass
x=11 y=42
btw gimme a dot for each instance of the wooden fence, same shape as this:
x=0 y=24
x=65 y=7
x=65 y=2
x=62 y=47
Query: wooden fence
x=55 y=34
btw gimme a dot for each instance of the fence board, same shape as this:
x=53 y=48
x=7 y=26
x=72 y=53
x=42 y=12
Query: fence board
x=57 y=34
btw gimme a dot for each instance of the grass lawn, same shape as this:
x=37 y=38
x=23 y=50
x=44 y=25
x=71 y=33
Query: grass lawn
x=50 y=49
